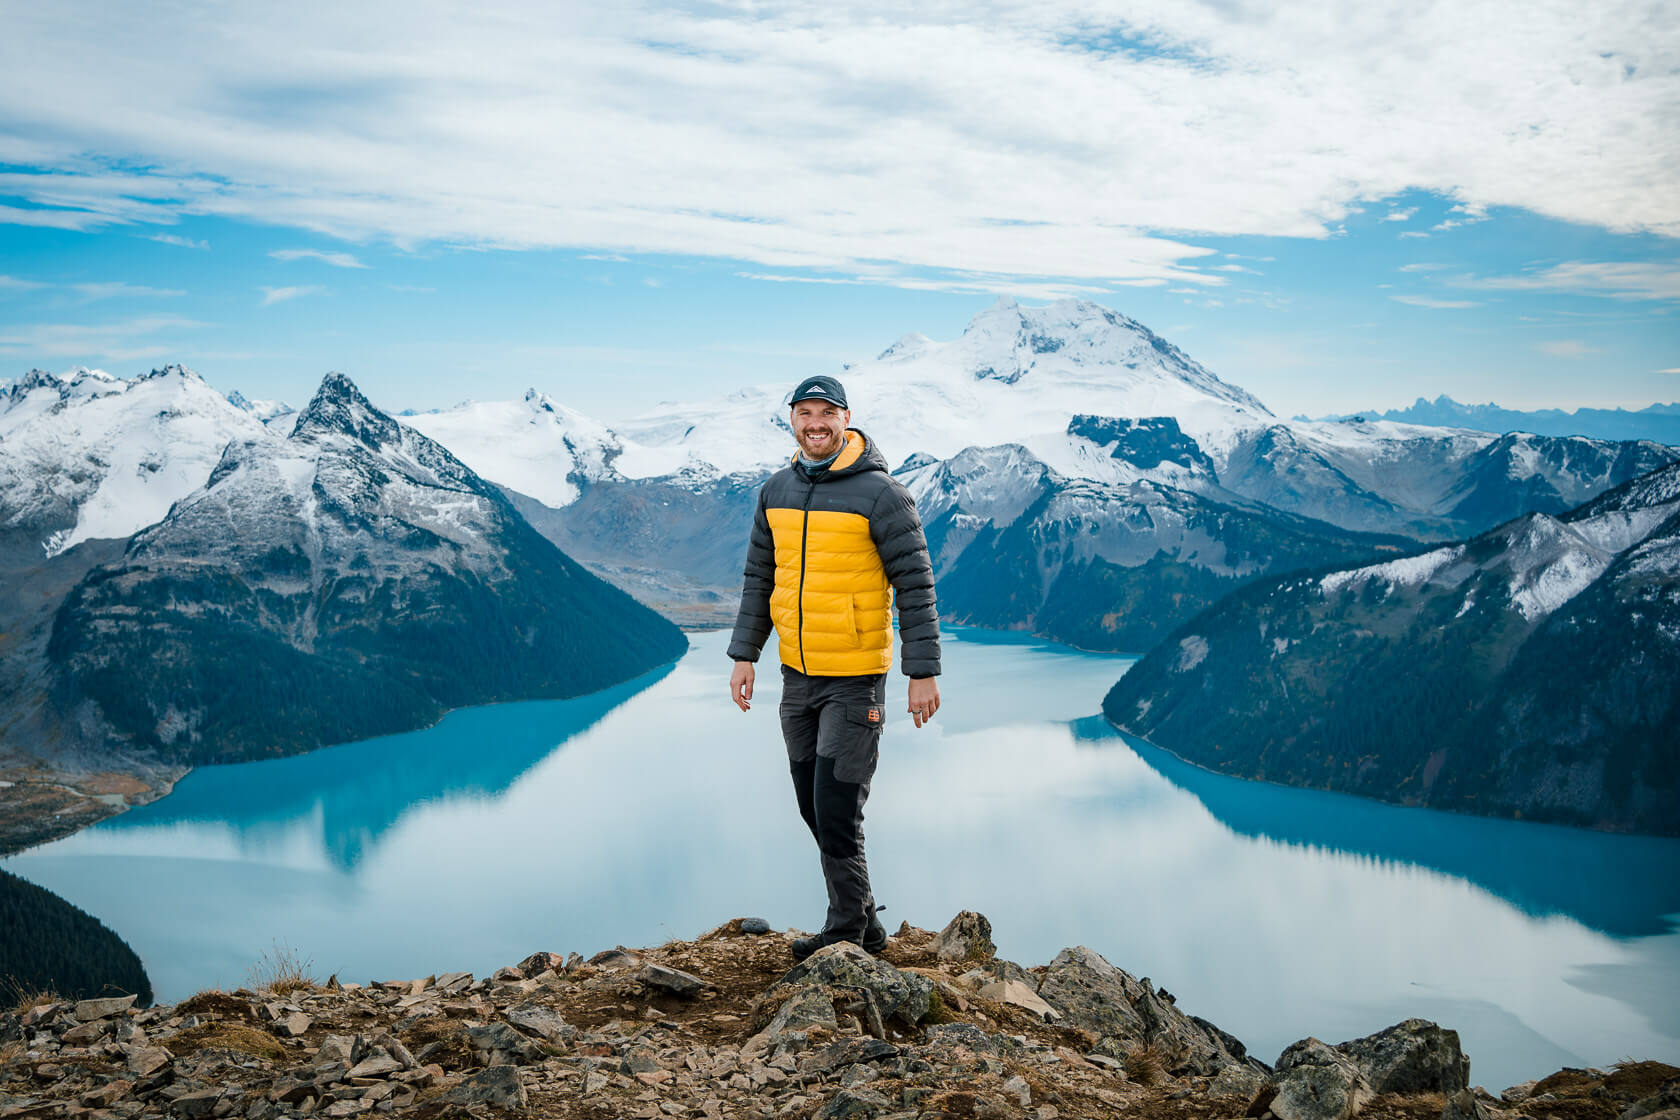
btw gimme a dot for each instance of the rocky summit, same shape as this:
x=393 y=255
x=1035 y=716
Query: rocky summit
x=722 y=1026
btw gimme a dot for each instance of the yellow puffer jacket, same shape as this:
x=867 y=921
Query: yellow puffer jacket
x=828 y=549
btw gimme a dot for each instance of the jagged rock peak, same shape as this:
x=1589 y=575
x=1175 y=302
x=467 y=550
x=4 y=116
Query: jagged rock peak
x=173 y=369
x=34 y=379
x=338 y=407
x=539 y=401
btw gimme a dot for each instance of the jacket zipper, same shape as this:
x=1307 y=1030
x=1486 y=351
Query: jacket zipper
x=804 y=537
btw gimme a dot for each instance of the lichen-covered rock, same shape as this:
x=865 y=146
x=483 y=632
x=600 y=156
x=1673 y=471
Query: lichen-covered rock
x=1464 y=1105
x=968 y=937
x=498 y=1086
x=1415 y=1056
x=801 y=1011
x=1315 y=1081
x=852 y=1102
x=499 y=1044
x=1125 y=1012
x=902 y=995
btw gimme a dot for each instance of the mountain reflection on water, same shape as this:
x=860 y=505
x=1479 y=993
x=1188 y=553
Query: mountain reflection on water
x=1626 y=886
x=361 y=790
x=657 y=810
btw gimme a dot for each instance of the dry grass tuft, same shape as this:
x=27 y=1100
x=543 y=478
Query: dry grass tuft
x=281 y=972
x=18 y=998
x=214 y=1002
x=1146 y=1064
x=227 y=1036
x=1638 y=1079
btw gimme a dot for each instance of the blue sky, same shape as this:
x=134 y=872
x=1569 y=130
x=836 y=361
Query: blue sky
x=1335 y=209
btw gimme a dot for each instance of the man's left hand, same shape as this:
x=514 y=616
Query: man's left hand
x=924 y=698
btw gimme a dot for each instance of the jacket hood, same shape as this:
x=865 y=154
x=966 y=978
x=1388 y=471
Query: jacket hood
x=860 y=454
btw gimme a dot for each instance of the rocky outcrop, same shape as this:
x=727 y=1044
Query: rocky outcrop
x=1415 y=1058
x=841 y=1035
x=1318 y=1082
x=1411 y=1057
x=1125 y=1012
x=967 y=937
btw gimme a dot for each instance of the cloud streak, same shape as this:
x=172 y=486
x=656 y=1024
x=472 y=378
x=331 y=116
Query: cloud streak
x=1437 y=304
x=1626 y=280
x=337 y=260
x=982 y=141
x=127 y=339
x=272 y=296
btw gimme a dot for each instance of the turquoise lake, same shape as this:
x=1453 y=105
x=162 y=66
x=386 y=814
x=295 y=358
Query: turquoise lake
x=656 y=810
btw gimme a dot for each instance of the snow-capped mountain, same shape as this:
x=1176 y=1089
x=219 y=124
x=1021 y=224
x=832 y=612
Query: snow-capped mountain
x=1103 y=565
x=352 y=579
x=87 y=455
x=1062 y=381
x=1016 y=375
x=276 y=415
x=534 y=445
x=1529 y=670
x=1657 y=422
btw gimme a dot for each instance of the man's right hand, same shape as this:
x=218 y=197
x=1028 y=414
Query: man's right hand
x=741 y=685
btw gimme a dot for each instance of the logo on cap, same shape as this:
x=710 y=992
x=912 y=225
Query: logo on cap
x=819 y=389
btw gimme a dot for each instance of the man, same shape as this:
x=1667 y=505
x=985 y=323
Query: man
x=833 y=538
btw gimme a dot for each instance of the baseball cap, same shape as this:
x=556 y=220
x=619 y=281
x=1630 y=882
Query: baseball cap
x=819 y=389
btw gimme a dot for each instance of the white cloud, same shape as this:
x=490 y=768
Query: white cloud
x=18 y=284
x=1676 y=369
x=971 y=285
x=616 y=257
x=114 y=289
x=1566 y=348
x=1400 y=215
x=1423 y=266
x=281 y=295
x=1439 y=304
x=128 y=339
x=802 y=135
x=1643 y=280
x=337 y=260
x=172 y=239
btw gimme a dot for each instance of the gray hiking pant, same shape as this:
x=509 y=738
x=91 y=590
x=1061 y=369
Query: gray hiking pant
x=832 y=726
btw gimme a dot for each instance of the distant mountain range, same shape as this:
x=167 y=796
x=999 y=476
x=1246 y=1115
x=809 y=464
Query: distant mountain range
x=1531 y=671
x=1181 y=486
x=1177 y=475
x=349 y=579
x=1658 y=422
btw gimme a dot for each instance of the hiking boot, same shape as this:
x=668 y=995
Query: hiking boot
x=875 y=937
x=873 y=941
x=805 y=946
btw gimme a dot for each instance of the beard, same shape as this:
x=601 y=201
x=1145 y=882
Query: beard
x=827 y=447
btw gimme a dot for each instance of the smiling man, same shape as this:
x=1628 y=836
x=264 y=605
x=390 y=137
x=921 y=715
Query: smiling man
x=834 y=538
